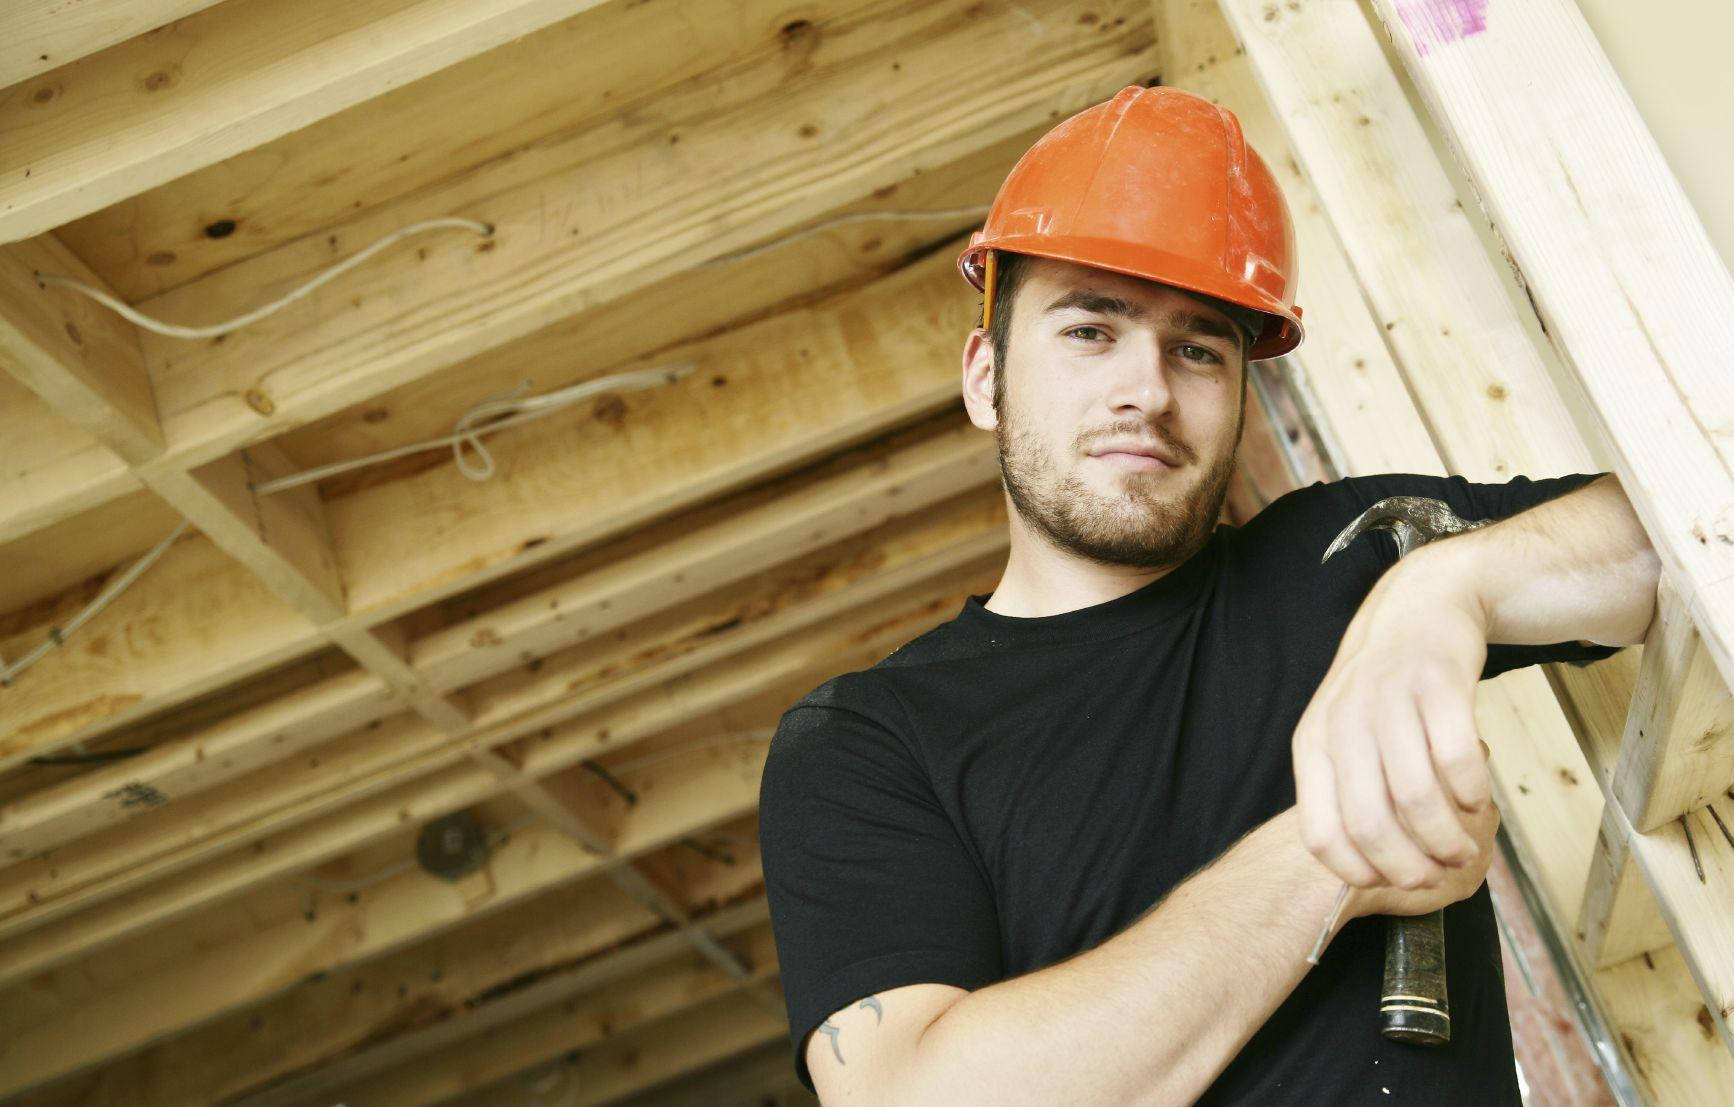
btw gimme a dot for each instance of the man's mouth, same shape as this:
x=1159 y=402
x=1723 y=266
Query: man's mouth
x=1136 y=456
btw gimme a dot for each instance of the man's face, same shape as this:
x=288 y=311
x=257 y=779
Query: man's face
x=1121 y=410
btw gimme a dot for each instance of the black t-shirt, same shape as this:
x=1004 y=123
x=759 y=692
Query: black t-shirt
x=1002 y=793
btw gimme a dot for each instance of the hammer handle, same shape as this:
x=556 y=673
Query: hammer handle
x=1414 y=1006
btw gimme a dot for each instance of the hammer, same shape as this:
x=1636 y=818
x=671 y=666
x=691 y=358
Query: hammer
x=1413 y=1005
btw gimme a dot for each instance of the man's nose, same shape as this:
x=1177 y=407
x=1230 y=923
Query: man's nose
x=1140 y=385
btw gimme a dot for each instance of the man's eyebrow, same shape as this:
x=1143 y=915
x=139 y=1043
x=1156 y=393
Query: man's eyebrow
x=1180 y=319
x=1197 y=322
x=1098 y=302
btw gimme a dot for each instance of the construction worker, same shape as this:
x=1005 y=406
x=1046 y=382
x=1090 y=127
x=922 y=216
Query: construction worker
x=1050 y=852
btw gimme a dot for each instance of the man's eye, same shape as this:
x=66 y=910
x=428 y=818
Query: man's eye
x=1194 y=352
x=1087 y=333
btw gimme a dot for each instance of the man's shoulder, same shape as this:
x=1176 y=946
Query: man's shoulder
x=873 y=693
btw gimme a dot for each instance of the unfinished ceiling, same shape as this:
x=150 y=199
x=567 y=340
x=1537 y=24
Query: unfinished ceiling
x=213 y=792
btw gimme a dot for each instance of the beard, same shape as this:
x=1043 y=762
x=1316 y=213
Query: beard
x=1152 y=523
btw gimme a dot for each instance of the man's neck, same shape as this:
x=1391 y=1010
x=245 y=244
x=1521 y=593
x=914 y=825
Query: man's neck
x=1042 y=579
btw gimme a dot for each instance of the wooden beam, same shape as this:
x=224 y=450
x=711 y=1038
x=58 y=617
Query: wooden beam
x=847 y=583
x=178 y=768
x=1677 y=751
x=584 y=1023
x=56 y=473
x=1622 y=275
x=108 y=675
x=1647 y=998
x=764 y=398
x=607 y=589
x=408 y=907
x=80 y=358
x=225 y=80
x=577 y=229
x=1618 y=919
x=411 y=906
x=447 y=124
x=46 y=34
x=580 y=495
x=659 y=1053
x=340 y=1077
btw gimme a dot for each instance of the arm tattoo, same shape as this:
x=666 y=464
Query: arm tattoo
x=871 y=1002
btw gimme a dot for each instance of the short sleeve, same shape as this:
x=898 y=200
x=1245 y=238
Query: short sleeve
x=1471 y=500
x=870 y=886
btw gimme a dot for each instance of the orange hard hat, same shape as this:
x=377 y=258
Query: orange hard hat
x=1160 y=184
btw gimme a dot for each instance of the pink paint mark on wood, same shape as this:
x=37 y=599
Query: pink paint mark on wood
x=1436 y=23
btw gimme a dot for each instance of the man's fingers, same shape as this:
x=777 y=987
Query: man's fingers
x=1368 y=816
x=1321 y=824
x=1417 y=796
x=1459 y=754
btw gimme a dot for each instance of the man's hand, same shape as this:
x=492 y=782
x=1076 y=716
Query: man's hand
x=1387 y=759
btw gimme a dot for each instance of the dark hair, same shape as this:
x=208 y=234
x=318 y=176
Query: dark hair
x=1009 y=273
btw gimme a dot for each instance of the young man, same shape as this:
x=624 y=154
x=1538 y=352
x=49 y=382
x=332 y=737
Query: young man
x=1050 y=852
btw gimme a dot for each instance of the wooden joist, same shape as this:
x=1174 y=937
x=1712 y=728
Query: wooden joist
x=592 y=216
x=405 y=908
x=81 y=359
x=1677 y=750
x=46 y=34
x=159 y=106
x=709 y=630
x=583 y=1023
x=1614 y=257
x=555 y=493
x=547 y=987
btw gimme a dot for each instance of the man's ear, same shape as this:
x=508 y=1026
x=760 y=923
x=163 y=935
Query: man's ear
x=978 y=371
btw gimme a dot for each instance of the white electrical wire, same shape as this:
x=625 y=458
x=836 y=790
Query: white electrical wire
x=174 y=330
x=57 y=635
x=506 y=411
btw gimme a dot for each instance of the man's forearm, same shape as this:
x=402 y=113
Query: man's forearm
x=1579 y=567
x=1151 y=1015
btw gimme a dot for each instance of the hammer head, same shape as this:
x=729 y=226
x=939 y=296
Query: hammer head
x=1414 y=520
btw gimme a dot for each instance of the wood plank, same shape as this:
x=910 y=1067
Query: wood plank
x=581 y=1023
x=850 y=582
x=407 y=907
x=441 y=789
x=363 y=786
x=55 y=472
x=1647 y=997
x=81 y=359
x=606 y=589
x=707 y=549
x=415 y=135
x=1689 y=864
x=896 y=380
x=183 y=767
x=195 y=622
x=553 y=978
x=763 y=398
x=576 y=228
x=68 y=554
x=662 y=1052
x=46 y=34
x=1621 y=276
x=1677 y=750
x=1619 y=919
x=227 y=79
